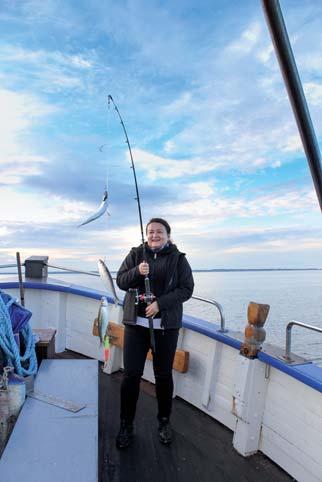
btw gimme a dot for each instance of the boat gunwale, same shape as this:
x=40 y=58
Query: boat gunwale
x=308 y=373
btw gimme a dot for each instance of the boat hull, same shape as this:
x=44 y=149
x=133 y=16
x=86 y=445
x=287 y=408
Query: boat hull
x=269 y=405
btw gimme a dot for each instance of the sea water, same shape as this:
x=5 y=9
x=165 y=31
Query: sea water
x=292 y=295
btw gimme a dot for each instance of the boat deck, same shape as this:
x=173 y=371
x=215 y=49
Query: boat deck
x=201 y=449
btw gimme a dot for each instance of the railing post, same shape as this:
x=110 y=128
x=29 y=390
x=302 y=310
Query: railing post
x=220 y=309
x=254 y=331
x=287 y=356
x=248 y=403
x=250 y=385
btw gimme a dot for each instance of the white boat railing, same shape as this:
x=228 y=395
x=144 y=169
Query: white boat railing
x=76 y=271
x=288 y=343
x=199 y=298
x=223 y=329
x=93 y=273
x=218 y=306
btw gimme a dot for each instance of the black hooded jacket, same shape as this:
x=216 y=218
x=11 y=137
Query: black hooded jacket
x=171 y=282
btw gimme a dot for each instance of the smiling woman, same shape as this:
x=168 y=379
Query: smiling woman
x=171 y=284
x=158 y=233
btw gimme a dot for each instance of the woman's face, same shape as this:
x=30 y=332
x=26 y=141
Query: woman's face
x=157 y=235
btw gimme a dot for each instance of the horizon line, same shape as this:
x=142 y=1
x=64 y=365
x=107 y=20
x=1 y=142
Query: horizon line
x=255 y=269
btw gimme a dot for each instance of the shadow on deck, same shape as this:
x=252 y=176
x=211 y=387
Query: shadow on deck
x=201 y=450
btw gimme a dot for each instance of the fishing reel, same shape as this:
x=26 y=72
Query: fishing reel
x=143 y=297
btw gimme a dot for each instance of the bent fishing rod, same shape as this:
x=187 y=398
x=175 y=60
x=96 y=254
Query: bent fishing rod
x=147 y=297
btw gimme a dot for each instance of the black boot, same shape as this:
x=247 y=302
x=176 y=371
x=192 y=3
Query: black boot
x=125 y=435
x=165 y=432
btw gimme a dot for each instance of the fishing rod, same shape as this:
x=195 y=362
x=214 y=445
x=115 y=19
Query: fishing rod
x=147 y=297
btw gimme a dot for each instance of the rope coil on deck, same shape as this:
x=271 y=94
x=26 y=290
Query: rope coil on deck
x=10 y=347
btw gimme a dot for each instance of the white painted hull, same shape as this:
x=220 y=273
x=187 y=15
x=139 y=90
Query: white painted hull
x=266 y=409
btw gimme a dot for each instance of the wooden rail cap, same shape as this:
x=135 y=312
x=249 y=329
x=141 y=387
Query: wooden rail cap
x=116 y=334
x=257 y=313
x=254 y=332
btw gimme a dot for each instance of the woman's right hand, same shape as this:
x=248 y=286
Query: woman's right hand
x=144 y=268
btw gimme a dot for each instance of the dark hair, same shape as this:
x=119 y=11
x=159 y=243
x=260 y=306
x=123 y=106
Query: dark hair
x=160 y=221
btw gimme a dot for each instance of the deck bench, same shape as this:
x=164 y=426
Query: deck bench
x=45 y=346
x=48 y=442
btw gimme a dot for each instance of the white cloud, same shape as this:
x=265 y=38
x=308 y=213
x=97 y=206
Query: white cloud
x=16 y=168
x=313 y=91
x=209 y=107
x=156 y=167
x=276 y=245
x=180 y=104
x=265 y=54
x=205 y=212
x=292 y=144
x=13 y=53
x=46 y=70
x=276 y=164
x=239 y=112
x=169 y=146
x=26 y=207
x=4 y=231
x=247 y=41
x=19 y=113
x=201 y=189
x=8 y=254
x=86 y=244
x=19 y=110
x=311 y=63
x=246 y=147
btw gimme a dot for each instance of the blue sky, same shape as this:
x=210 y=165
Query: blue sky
x=214 y=140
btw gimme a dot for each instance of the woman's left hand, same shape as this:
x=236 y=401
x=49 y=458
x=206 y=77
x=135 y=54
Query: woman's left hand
x=152 y=309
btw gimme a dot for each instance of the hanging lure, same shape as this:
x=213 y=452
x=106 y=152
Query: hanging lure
x=106 y=350
x=103 y=327
x=101 y=209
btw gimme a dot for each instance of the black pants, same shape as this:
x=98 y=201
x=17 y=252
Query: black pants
x=136 y=347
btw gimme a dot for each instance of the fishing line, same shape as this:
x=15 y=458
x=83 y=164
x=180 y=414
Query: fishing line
x=137 y=198
x=147 y=297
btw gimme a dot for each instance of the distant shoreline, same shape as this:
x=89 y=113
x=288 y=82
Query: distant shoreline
x=224 y=270
x=213 y=270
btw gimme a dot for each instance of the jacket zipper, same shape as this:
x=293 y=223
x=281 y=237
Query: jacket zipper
x=155 y=257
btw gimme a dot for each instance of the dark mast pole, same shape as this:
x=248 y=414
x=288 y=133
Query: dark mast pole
x=283 y=49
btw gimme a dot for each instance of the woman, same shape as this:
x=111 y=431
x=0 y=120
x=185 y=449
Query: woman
x=171 y=283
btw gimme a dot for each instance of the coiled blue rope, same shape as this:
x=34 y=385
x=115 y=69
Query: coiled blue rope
x=24 y=365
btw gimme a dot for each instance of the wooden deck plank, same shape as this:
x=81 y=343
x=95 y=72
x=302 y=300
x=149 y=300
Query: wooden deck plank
x=201 y=451
x=48 y=442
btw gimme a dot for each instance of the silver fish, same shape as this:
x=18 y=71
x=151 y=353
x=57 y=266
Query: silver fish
x=102 y=319
x=101 y=210
x=107 y=279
